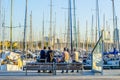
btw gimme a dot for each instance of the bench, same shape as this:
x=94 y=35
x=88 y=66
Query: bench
x=39 y=66
x=54 y=66
x=68 y=66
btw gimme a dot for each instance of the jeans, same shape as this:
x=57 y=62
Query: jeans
x=74 y=62
x=66 y=70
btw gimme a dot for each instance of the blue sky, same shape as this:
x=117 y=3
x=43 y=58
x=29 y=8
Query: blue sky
x=84 y=11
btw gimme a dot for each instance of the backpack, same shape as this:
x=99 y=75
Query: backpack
x=51 y=56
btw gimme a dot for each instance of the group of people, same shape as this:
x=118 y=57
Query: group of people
x=67 y=56
x=48 y=56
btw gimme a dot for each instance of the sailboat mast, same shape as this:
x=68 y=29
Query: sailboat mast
x=78 y=34
x=25 y=26
x=50 y=34
x=75 y=35
x=11 y=25
x=68 y=28
x=104 y=22
x=70 y=15
x=113 y=13
x=86 y=36
x=98 y=21
x=116 y=30
x=92 y=33
x=117 y=34
x=104 y=29
x=31 y=45
x=114 y=35
x=96 y=25
x=43 y=32
x=0 y=20
x=3 y=35
x=19 y=38
x=54 y=32
x=65 y=38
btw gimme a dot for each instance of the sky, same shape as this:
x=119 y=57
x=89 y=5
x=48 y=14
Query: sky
x=84 y=11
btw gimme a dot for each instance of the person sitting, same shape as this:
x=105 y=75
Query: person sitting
x=65 y=58
x=42 y=56
x=50 y=56
x=75 y=58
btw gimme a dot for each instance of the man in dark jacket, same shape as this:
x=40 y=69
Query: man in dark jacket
x=43 y=54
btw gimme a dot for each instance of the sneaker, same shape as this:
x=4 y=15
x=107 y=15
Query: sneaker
x=62 y=72
x=66 y=71
x=38 y=71
x=72 y=71
x=50 y=72
x=44 y=71
x=77 y=71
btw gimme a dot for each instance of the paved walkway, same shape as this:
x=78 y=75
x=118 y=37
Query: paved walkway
x=60 y=78
x=86 y=75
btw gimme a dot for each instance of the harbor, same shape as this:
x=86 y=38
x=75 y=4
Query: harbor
x=59 y=39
